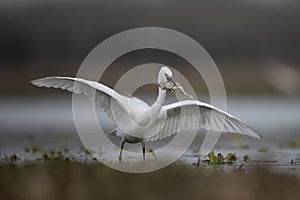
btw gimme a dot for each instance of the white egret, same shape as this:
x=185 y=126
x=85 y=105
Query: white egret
x=139 y=122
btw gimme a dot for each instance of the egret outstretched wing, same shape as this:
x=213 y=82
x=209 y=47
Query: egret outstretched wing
x=193 y=115
x=98 y=93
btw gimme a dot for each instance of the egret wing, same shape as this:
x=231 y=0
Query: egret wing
x=193 y=115
x=98 y=93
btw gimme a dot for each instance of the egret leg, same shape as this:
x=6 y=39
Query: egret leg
x=122 y=146
x=144 y=150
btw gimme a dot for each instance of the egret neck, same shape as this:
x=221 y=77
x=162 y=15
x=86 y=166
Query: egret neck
x=158 y=104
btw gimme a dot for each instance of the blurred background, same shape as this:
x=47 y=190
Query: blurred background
x=255 y=44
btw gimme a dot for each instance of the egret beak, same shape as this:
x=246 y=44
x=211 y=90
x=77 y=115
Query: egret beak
x=178 y=88
x=173 y=86
x=172 y=81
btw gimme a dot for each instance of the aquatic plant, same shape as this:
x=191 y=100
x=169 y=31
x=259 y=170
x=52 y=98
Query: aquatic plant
x=219 y=159
x=37 y=149
x=12 y=157
x=230 y=158
x=54 y=155
x=246 y=158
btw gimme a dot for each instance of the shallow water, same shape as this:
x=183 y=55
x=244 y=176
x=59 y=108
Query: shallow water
x=48 y=122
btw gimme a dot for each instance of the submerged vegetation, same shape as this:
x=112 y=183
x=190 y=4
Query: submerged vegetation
x=36 y=149
x=263 y=149
x=295 y=143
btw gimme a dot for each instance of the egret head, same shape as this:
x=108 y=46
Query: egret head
x=165 y=79
x=166 y=82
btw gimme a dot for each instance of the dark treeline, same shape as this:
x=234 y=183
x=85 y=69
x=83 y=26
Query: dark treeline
x=60 y=31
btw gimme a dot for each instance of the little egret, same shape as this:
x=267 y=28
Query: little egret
x=139 y=122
